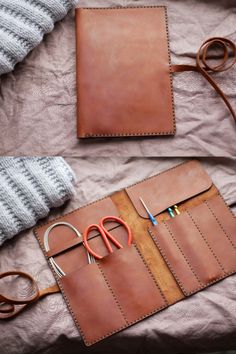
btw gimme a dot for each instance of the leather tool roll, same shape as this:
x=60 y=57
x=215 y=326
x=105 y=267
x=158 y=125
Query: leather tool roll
x=124 y=71
x=166 y=263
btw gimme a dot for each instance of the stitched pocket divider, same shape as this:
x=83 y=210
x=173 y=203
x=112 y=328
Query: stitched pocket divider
x=111 y=294
x=199 y=244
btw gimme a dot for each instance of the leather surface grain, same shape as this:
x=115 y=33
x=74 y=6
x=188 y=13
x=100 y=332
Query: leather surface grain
x=123 y=72
x=196 y=246
x=177 y=185
x=118 y=301
x=181 y=258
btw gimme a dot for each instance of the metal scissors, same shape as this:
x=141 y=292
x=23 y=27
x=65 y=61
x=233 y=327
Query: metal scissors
x=106 y=235
x=11 y=305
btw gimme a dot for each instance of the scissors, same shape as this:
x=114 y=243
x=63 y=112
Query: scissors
x=11 y=305
x=106 y=235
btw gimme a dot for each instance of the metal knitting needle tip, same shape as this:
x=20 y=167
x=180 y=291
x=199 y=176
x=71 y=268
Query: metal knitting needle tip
x=171 y=213
x=176 y=209
x=151 y=217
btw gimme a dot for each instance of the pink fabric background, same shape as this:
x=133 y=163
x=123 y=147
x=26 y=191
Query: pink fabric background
x=38 y=99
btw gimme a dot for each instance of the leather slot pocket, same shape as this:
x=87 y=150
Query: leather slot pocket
x=198 y=245
x=112 y=294
x=64 y=242
x=169 y=188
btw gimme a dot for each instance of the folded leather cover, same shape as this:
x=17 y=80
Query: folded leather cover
x=124 y=85
x=165 y=264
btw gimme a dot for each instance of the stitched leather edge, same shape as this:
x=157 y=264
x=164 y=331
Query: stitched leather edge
x=182 y=252
x=170 y=72
x=153 y=237
x=168 y=132
x=151 y=274
x=165 y=172
x=138 y=319
x=219 y=223
x=225 y=275
x=155 y=240
x=88 y=343
x=112 y=292
x=109 y=195
x=205 y=240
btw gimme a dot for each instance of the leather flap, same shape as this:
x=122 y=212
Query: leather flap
x=169 y=188
x=63 y=238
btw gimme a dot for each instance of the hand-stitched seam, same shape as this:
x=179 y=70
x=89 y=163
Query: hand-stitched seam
x=169 y=132
x=72 y=212
x=129 y=324
x=155 y=239
x=166 y=172
x=229 y=209
x=70 y=309
x=219 y=223
x=182 y=252
x=170 y=71
x=160 y=173
x=61 y=288
x=121 y=7
x=112 y=293
x=188 y=293
x=205 y=240
x=165 y=132
x=108 y=196
x=140 y=318
x=152 y=276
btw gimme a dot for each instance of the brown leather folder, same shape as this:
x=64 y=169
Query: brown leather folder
x=124 y=71
x=166 y=263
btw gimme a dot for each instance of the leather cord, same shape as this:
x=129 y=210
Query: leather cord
x=203 y=66
x=11 y=306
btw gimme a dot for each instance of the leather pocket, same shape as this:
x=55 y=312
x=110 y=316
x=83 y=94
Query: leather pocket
x=66 y=247
x=171 y=187
x=113 y=293
x=199 y=244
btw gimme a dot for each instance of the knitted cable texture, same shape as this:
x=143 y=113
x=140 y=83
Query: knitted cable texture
x=29 y=188
x=23 y=24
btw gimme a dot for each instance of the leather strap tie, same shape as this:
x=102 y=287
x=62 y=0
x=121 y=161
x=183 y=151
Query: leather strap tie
x=203 y=66
x=10 y=306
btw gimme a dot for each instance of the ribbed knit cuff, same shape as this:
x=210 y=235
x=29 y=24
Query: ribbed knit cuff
x=29 y=188
x=23 y=24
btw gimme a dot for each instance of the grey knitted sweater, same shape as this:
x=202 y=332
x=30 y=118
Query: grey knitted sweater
x=23 y=24
x=29 y=188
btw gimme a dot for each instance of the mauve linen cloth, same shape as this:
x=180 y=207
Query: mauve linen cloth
x=38 y=99
x=204 y=322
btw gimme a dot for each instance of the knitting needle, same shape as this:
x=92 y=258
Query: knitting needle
x=176 y=209
x=171 y=213
x=151 y=217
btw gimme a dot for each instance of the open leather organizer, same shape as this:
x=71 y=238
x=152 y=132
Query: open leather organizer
x=165 y=264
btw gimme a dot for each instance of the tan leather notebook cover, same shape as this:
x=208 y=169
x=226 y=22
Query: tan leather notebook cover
x=124 y=85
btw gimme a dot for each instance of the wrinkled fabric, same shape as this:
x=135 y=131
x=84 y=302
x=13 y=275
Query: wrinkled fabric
x=204 y=322
x=38 y=99
x=29 y=188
